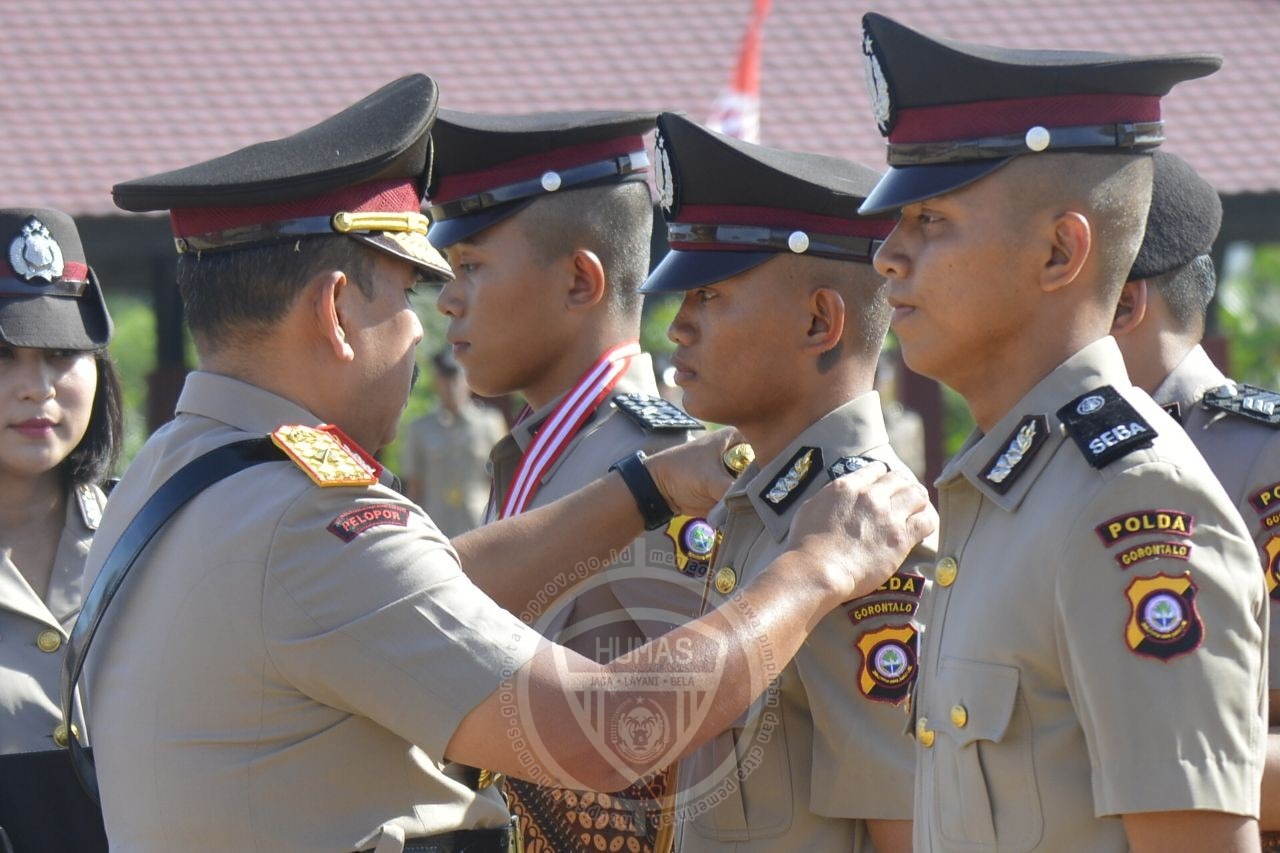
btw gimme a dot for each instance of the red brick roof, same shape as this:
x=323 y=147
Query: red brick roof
x=97 y=91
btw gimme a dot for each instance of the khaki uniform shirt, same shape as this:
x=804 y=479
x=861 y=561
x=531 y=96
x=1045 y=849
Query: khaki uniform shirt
x=826 y=747
x=286 y=663
x=607 y=436
x=444 y=455
x=1245 y=456
x=33 y=632
x=1095 y=641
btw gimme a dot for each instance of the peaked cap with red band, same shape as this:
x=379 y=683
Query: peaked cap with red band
x=732 y=205
x=488 y=167
x=360 y=173
x=954 y=112
x=49 y=297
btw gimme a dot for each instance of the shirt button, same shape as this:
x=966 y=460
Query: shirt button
x=959 y=716
x=60 y=733
x=726 y=580
x=947 y=569
x=48 y=641
x=924 y=734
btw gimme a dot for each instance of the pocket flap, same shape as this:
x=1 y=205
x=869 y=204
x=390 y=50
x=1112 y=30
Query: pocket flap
x=974 y=700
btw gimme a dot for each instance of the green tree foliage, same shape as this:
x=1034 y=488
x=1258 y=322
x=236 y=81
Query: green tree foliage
x=1249 y=312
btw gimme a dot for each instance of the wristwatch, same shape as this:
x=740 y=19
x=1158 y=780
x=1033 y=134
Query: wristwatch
x=653 y=506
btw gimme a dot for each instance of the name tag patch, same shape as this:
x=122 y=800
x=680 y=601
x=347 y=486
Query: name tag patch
x=1148 y=521
x=353 y=522
x=1105 y=426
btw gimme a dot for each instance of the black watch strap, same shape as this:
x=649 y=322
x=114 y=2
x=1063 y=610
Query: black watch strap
x=653 y=506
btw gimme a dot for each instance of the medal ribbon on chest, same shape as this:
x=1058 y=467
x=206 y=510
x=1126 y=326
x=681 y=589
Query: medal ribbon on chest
x=563 y=424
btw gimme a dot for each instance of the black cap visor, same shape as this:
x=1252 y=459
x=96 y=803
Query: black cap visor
x=412 y=247
x=56 y=322
x=446 y=232
x=903 y=185
x=681 y=271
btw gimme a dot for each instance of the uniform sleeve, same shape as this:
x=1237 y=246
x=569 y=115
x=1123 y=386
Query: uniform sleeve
x=1260 y=509
x=367 y=610
x=1160 y=619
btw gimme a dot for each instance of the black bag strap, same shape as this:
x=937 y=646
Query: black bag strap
x=193 y=478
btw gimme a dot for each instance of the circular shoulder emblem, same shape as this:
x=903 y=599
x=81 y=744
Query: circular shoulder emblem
x=1090 y=404
x=877 y=85
x=662 y=175
x=34 y=253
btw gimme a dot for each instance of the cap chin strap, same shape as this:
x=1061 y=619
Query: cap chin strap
x=1127 y=136
x=342 y=222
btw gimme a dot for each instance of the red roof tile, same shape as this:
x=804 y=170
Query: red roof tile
x=99 y=91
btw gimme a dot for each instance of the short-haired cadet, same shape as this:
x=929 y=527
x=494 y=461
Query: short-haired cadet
x=1092 y=673
x=1160 y=320
x=296 y=657
x=779 y=334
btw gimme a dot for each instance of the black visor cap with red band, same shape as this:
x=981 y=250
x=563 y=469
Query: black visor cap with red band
x=732 y=205
x=49 y=297
x=489 y=167
x=955 y=112
x=360 y=173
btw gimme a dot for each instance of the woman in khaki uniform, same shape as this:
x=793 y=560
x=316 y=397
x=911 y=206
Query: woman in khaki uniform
x=61 y=423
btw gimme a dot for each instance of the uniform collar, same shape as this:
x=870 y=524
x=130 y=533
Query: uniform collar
x=636 y=379
x=239 y=404
x=850 y=430
x=63 y=598
x=1097 y=364
x=1187 y=383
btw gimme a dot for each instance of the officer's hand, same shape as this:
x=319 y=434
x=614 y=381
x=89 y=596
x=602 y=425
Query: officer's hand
x=692 y=477
x=858 y=529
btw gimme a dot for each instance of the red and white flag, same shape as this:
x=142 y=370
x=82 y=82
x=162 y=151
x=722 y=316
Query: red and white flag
x=737 y=111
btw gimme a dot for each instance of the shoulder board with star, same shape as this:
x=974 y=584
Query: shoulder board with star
x=1246 y=401
x=327 y=455
x=1105 y=426
x=654 y=413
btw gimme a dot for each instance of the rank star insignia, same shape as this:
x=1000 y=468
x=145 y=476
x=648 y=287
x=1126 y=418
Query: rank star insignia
x=888 y=663
x=34 y=253
x=655 y=413
x=1163 y=622
x=1028 y=437
x=695 y=544
x=800 y=469
x=327 y=455
x=1271 y=553
x=1248 y=401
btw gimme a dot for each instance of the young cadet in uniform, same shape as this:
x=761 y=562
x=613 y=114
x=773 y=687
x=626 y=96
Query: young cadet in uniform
x=779 y=334
x=62 y=432
x=297 y=651
x=1092 y=669
x=546 y=220
x=1159 y=323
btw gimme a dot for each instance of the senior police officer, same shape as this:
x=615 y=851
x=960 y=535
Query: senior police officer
x=1092 y=675
x=779 y=332
x=546 y=220
x=297 y=652
x=1160 y=320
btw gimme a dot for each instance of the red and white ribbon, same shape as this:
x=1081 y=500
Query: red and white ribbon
x=563 y=424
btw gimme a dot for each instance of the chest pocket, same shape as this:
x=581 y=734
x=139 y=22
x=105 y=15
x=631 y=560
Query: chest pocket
x=759 y=803
x=985 y=792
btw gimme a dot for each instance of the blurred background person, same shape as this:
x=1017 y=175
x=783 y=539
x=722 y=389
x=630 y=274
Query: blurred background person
x=446 y=450
x=60 y=436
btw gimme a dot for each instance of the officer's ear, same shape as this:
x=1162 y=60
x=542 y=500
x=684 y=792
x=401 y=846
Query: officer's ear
x=587 y=283
x=1131 y=308
x=1070 y=242
x=827 y=316
x=329 y=294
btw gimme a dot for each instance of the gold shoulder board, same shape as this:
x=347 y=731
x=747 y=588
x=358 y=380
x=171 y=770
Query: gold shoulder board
x=328 y=456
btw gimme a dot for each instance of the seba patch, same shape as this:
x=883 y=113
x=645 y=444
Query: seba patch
x=1163 y=622
x=1105 y=426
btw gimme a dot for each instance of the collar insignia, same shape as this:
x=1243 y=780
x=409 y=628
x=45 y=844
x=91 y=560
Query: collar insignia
x=327 y=455
x=1174 y=409
x=1105 y=426
x=34 y=253
x=1028 y=437
x=655 y=413
x=799 y=471
x=847 y=465
x=1247 y=401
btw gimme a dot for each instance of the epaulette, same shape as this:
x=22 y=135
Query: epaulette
x=1105 y=426
x=1247 y=401
x=327 y=455
x=655 y=413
